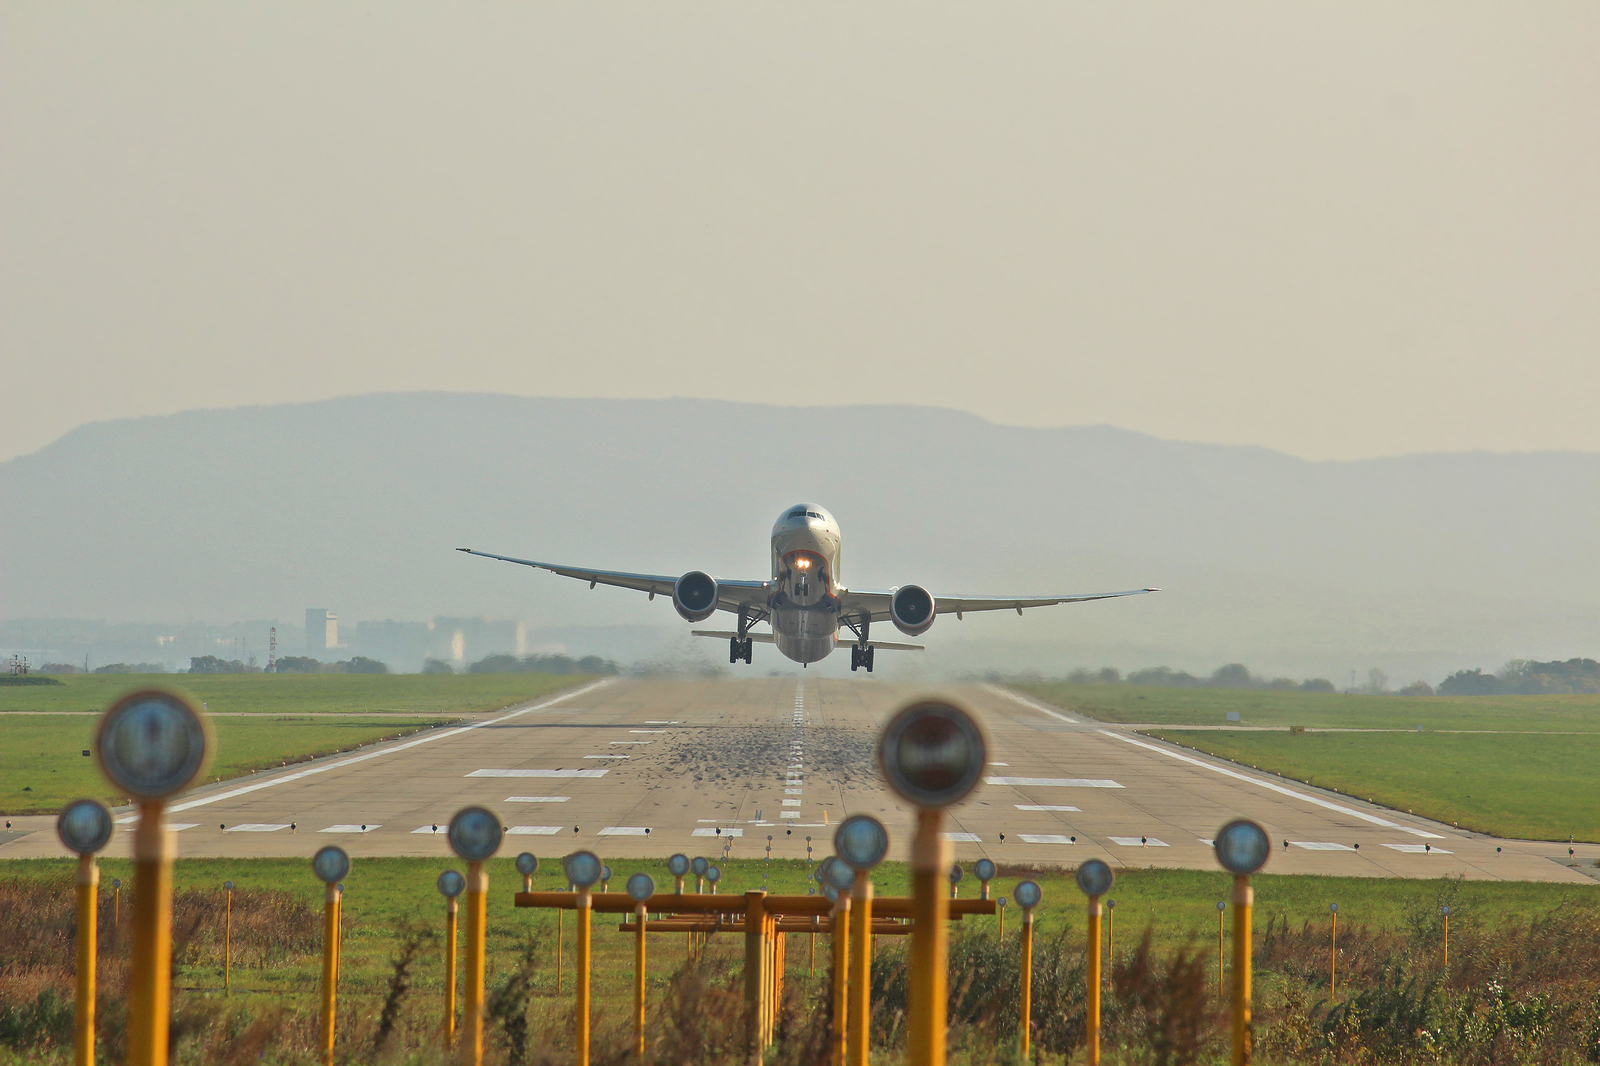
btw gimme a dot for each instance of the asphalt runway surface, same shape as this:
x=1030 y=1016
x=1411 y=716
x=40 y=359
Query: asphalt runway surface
x=705 y=766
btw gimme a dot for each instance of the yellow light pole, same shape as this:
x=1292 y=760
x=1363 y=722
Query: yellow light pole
x=984 y=870
x=1094 y=880
x=955 y=879
x=840 y=972
x=678 y=866
x=1446 y=911
x=1221 y=969
x=527 y=866
x=755 y=974
x=85 y=826
x=1242 y=848
x=475 y=835
x=583 y=870
x=451 y=884
x=227 y=940
x=152 y=745
x=931 y=754
x=1001 y=913
x=641 y=887
x=1333 y=953
x=702 y=869
x=331 y=865
x=1111 y=932
x=1027 y=894
x=862 y=842
x=116 y=905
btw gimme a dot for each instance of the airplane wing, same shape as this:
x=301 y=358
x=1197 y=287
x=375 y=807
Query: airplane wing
x=876 y=601
x=768 y=638
x=731 y=595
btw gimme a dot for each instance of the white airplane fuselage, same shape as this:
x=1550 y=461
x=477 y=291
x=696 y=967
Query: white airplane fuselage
x=804 y=603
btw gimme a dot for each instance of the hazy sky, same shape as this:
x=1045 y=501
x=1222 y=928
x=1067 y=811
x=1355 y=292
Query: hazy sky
x=1339 y=230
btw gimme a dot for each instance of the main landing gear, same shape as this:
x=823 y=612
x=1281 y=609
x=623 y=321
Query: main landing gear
x=740 y=650
x=861 y=656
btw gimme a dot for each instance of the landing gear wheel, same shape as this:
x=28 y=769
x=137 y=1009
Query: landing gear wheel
x=749 y=649
x=735 y=652
x=867 y=655
x=855 y=658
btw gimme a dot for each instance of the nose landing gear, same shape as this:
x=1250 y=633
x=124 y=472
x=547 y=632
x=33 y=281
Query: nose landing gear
x=861 y=657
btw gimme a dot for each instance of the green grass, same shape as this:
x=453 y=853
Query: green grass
x=268 y=720
x=1263 y=707
x=387 y=898
x=1507 y=785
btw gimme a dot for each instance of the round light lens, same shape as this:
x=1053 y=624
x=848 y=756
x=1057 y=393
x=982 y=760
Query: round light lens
x=605 y=874
x=955 y=874
x=985 y=870
x=862 y=841
x=932 y=753
x=641 y=887
x=700 y=865
x=821 y=872
x=1094 y=878
x=713 y=874
x=475 y=833
x=527 y=864
x=451 y=884
x=840 y=874
x=831 y=892
x=84 y=826
x=678 y=865
x=228 y=885
x=152 y=744
x=330 y=864
x=583 y=868
x=1242 y=847
x=1028 y=894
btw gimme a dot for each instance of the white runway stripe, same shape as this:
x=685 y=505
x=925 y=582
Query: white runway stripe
x=1030 y=704
x=963 y=838
x=534 y=830
x=537 y=799
x=705 y=831
x=297 y=775
x=1044 y=838
x=1320 y=845
x=608 y=756
x=256 y=827
x=1418 y=849
x=1138 y=842
x=349 y=829
x=624 y=831
x=1044 y=807
x=428 y=829
x=539 y=773
x=1272 y=786
x=1052 y=782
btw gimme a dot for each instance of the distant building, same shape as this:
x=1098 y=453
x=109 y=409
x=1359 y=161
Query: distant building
x=471 y=639
x=322 y=631
x=403 y=645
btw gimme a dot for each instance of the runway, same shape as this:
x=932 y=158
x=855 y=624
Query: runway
x=637 y=767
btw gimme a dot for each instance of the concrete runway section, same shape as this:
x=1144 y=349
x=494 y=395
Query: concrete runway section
x=649 y=767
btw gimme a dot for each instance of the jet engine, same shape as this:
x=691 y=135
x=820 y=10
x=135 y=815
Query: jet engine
x=695 y=596
x=911 y=608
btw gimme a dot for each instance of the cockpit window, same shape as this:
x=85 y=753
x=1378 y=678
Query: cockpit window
x=799 y=512
x=812 y=514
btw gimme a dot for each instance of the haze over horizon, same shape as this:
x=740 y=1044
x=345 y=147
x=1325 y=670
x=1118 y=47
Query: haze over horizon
x=1336 y=232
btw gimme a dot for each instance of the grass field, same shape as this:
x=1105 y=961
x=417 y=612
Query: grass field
x=1389 y=932
x=1263 y=707
x=1508 y=785
x=261 y=720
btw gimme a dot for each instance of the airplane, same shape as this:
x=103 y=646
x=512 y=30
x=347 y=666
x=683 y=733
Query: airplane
x=803 y=601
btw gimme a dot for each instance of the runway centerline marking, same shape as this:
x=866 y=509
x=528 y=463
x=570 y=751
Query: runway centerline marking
x=405 y=746
x=1272 y=787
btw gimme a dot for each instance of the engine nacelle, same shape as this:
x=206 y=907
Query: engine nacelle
x=912 y=610
x=695 y=596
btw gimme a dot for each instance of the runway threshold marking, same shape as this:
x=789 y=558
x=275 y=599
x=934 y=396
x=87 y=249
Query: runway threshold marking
x=297 y=775
x=624 y=831
x=1045 y=838
x=726 y=832
x=256 y=827
x=1322 y=845
x=1272 y=787
x=350 y=828
x=1139 y=842
x=1044 y=807
x=1418 y=849
x=537 y=799
x=962 y=838
x=534 y=830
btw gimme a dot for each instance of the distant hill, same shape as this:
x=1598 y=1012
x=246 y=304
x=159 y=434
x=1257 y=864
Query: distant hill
x=1418 y=564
